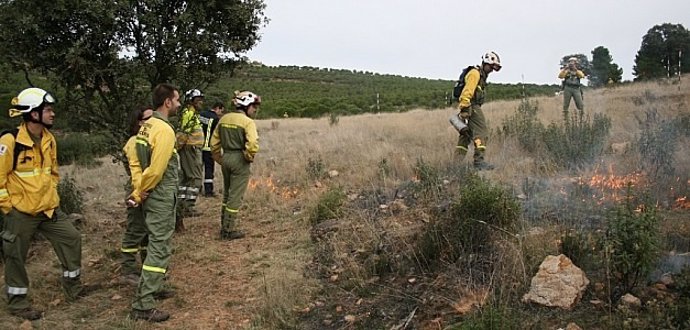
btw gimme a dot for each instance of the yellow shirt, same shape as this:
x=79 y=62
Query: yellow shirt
x=32 y=186
x=155 y=146
x=235 y=132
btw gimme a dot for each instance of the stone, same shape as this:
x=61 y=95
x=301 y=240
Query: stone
x=558 y=283
x=333 y=173
x=630 y=301
x=572 y=326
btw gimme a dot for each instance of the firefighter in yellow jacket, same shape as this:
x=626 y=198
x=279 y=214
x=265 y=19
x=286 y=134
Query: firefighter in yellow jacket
x=190 y=138
x=470 y=106
x=156 y=193
x=572 y=88
x=134 y=239
x=29 y=199
x=234 y=144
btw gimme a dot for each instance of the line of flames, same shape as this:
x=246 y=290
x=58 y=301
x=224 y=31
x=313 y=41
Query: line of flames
x=269 y=184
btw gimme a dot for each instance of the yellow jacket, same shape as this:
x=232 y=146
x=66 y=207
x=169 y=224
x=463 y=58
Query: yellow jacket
x=190 y=132
x=132 y=161
x=155 y=147
x=32 y=186
x=235 y=132
x=473 y=90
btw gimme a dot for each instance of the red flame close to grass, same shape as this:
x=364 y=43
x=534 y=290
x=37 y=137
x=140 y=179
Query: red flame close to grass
x=267 y=183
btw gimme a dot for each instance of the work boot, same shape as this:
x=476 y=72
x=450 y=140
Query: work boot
x=27 y=313
x=151 y=315
x=179 y=224
x=231 y=235
x=192 y=212
x=482 y=165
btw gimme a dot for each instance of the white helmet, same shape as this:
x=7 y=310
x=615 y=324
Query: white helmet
x=492 y=58
x=192 y=93
x=30 y=99
x=245 y=99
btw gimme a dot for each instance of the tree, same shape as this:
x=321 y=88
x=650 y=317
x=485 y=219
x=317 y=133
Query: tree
x=663 y=49
x=603 y=70
x=583 y=63
x=107 y=55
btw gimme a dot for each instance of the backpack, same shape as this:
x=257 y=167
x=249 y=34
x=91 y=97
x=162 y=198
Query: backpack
x=18 y=147
x=460 y=84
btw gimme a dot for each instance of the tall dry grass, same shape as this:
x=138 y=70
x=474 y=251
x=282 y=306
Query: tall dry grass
x=266 y=272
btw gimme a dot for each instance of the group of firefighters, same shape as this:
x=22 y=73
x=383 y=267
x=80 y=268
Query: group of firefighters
x=164 y=165
x=164 y=168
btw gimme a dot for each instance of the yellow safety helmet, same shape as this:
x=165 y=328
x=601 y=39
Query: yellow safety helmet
x=30 y=99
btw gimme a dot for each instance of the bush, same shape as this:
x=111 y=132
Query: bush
x=328 y=206
x=525 y=126
x=631 y=244
x=82 y=148
x=315 y=168
x=576 y=142
x=71 y=198
x=472 y=221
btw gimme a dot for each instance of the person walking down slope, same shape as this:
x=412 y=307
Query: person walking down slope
x=571 y=76
x=209 y=120
x=135 y=238
x=470 y=106
x=190 y=139
x=156 y=192
x=29 y=200
x=234 y=145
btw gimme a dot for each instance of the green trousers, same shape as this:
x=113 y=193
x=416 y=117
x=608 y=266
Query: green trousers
x=236 y=172
x=478 y=133
x=191 y=175
x=159 y=220
x=134 y=240
x=16 y=239
x=572 y=92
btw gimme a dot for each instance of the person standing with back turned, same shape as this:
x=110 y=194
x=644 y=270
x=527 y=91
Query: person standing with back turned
x=234 y=144
x=157 y=191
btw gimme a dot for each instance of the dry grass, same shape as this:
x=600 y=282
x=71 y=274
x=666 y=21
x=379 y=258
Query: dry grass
x=260 y=282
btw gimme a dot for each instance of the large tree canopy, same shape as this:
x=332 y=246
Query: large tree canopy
x=663 y=49
x=107 y=54
x=603 y=68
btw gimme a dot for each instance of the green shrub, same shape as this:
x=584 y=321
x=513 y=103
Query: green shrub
x=71 y=198
x=315 y=168
x=631 y=244
x=490 y=318
x=82 y=148
x=525 y=126
x=328 y=206
x=577 y=141
x=472 y=221
x=429 y=178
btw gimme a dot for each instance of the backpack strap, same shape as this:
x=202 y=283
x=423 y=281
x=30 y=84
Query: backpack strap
x=18 y=147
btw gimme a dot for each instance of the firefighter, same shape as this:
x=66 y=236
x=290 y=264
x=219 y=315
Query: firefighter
x=29 y=200
x=234 y=144
x=156 y=193
x=190 y=138
x=470 y=106
x=135 y=239
x=571 y=76
x=209 y=120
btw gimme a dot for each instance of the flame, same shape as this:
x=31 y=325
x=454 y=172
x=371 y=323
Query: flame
x=267 y=183
x=682 y=203
x=611 y=187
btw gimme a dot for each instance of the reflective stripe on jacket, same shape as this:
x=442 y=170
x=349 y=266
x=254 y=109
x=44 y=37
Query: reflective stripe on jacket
x=235 y=132
x=31 y=187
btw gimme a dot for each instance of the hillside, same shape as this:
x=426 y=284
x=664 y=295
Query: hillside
x=358 y=249
x=313 y=92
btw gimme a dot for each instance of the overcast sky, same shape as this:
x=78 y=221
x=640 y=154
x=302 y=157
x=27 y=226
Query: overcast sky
x=437 y=38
